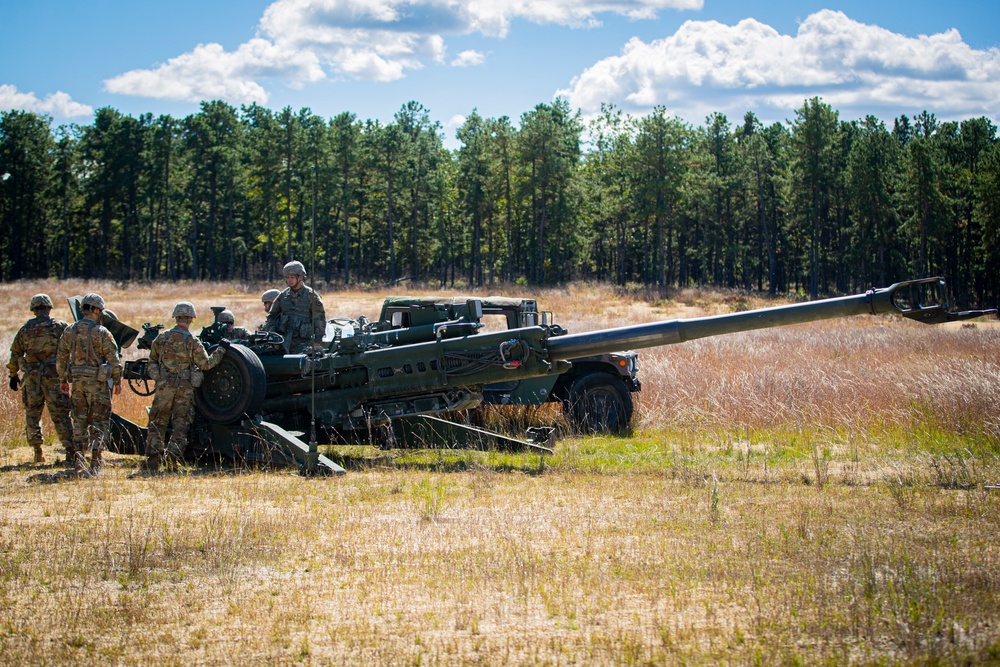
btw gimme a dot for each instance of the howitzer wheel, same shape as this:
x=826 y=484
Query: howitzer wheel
x=599 y=403
x=234 y=388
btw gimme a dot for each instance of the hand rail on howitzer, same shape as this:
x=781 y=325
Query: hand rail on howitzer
x=923 y=300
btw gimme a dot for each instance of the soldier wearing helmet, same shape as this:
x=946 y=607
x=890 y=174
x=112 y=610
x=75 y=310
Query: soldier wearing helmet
x=33 y=352
x=267 y=298
x=233 y=332
x=88 y=359
x=297 y=313
x=177 y=362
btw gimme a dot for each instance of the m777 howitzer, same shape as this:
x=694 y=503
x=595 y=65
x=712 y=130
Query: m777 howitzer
x=375 y=379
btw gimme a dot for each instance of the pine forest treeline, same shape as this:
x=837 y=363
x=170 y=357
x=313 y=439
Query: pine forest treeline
x=817 y=205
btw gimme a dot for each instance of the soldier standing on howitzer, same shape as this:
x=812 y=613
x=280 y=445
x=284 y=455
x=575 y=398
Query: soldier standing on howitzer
x=33 y=352
x=297 y=313
x=177 y=362
x=88 y=359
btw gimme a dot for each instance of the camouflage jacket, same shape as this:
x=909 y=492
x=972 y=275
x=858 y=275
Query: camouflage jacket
x=35 y=346
x=85 y=346
x=298 y=313
x=176 y=353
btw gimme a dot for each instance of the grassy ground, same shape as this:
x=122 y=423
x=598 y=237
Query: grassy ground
x=812 y=494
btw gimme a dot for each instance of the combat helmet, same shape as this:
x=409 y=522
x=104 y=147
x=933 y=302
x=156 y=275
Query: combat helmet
x=270 y=295
x=184 y=309
x=93 y=300
x=40 y=301
x=226 y=317
x=295 y=268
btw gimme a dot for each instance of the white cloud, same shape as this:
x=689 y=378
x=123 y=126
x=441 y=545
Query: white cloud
x=57 y=104
x=331 y=21
x=210 y=72
x=302 y=41
x=468 y=59
x=368 y=65
x=856 y=68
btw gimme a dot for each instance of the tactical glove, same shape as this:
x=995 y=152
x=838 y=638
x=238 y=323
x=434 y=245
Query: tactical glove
x=13 y=382
x=224 y=343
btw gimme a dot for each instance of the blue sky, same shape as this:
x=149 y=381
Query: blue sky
x=502 y=57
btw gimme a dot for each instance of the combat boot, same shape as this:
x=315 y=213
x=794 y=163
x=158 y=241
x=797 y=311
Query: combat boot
x=96 y=462
x=39 y=456
x=151 y=464
x=70 y=456
x=80 y=464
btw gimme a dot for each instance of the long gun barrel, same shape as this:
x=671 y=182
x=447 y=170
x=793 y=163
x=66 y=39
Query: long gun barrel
x=922 y=300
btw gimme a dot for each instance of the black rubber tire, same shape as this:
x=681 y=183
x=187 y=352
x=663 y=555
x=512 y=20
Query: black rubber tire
x=599 y=403
x=234 y=388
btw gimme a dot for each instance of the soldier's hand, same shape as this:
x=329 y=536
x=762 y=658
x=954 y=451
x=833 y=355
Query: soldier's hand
x=224 y=343
x=13 y=382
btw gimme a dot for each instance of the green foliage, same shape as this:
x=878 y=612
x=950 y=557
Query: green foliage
x=816 y=206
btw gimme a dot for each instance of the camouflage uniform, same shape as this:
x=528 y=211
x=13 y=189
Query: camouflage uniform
x=33 y=352
x=298 y=315
x=88 y=358
x=175 y=356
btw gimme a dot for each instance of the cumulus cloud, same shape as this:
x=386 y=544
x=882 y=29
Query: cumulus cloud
x=856 y=68
x=302 y=41
x=468 y=59
x=57 y=104
x=210 y=72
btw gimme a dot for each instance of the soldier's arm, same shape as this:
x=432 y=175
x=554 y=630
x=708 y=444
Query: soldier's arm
x=109 y=351
x=202 y=359
x=155 y=350
x=62 y=355
x=16 y=352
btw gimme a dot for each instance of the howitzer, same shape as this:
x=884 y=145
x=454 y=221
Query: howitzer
x=384 y=378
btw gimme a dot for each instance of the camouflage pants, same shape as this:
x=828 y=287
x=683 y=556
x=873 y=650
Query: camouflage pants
x=173 y=405
x=91 y=414
x=37 y=392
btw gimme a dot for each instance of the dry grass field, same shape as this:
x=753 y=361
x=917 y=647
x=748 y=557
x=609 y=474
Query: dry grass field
x=815 y=494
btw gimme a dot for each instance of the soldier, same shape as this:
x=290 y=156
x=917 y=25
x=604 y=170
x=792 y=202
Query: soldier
x=268 y=298
x=233 y=332
x=88 y=358
x=34 y=353
x=177 y=361
x=297 y=313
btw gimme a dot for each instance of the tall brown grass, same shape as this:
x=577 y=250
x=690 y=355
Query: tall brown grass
x=812 y=494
